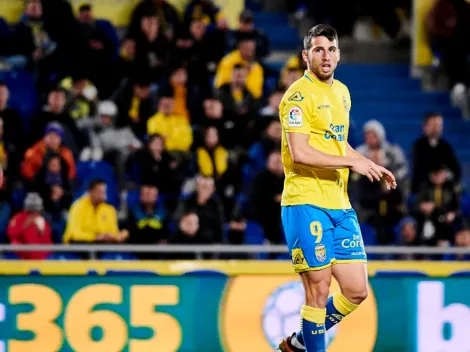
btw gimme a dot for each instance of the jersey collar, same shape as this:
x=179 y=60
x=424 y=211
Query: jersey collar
x=314 y=79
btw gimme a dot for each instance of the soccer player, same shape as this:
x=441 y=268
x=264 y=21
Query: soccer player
x=322 y=230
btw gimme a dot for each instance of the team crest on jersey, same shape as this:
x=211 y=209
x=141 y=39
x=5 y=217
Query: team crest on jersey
x=297 y=96
x=320 y=252
x=295 y=117
x=346 y=105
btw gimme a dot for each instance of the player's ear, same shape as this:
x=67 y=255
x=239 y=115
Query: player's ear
x=305 y=55
x=339 y=54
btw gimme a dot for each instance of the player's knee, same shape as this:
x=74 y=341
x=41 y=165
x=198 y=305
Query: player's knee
x=356 y=295
x=317 y=294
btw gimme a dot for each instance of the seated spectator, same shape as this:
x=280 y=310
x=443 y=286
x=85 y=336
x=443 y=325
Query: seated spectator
x=189 y=232
x=245 y=55
x=31 y=39
x=37 y=156
x=432 y=149
x=266 y=198
x=408 y=237
x=81 y=97
x=240 y=108
x=135 y=105
x=167 y=15
x=178 y=88
x=272 y=109
x=124 y=66
x=212 y=158
x=92 y=220
x=259 y=152
x=54 y=112
x=246 y=25
x=462 y=240
x=153 y=164
x=12 y=133
x=382 y=152
x=206 y=11
x=438 y=210
x=147 y=221
x=153 y=50
x=30 y=227
x=115 y=143
x=175 y=129
x=207 y=206
x=54 y=186
x=295 y=67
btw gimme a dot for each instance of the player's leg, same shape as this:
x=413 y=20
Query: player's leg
x=309 y=238
x=349 y=269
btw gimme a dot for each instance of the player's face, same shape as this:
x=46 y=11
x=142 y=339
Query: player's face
x=3 y=94
x=322 y=58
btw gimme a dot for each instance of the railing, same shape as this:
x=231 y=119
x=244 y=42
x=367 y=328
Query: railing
x=93 y=249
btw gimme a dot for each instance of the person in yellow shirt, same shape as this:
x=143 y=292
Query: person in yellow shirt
x=321 y=228
x=91 y=219
x=245 y=55
x=175 y=129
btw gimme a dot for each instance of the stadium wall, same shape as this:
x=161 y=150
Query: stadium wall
x=214 y=306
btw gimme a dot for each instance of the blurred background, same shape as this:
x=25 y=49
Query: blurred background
x=154 y=122
x=173 y=105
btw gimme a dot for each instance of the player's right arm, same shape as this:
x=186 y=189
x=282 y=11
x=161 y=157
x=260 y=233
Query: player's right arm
x=296 y=119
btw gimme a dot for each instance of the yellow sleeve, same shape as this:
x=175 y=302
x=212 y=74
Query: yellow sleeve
x=185 y=137
x=74 y=230
x=111 y=225
x=296 y=113
x=255 y=81
x=154 y=126
x=224 y=72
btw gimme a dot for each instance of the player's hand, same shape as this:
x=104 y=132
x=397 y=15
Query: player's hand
x=388 y=178
x=367 y=168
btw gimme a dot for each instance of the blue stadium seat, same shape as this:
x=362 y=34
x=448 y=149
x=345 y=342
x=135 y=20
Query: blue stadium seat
x=63 y=256
x=118 y=256
x=369 y=235
x=10 y=256
x=111 y=32
x=90 y=170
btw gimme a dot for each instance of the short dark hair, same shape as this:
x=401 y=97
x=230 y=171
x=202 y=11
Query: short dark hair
x=430 y=115
x=320 y=30
x=3 y=84
x=95 y=183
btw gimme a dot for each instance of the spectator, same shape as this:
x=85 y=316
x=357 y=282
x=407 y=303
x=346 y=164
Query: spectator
x=148 y=220
x=166 y=13
x=189 y=232
x=245 y=56
x=12 y=133
x=30 y=227
x=91 y=219
x=448 y=23
x=207 y=206
x=32 y=40
x=54 y=112
x=293 y=68
x=382 y=152
x=240 y=107
x=272 y=109
x=462 y=240
x=432 y=149
x=174 y=129
x=206 y=11
x=178 y=84
x=135 y=106
x=115 y=143
x=212 y=158
x=154 y=165
x=153 y=50
x=408 y=236
x=246 y=24
x=125 y=65
x=53 y=185
x=37 y=156
x=438 y=210
x=81 y=97
x=266 y=198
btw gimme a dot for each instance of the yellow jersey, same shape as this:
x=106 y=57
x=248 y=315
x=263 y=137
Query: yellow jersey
x=321 y=111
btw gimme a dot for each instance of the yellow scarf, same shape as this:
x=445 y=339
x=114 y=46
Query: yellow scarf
x=206 y=166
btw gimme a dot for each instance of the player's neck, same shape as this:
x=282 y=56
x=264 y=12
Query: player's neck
x=328 y=81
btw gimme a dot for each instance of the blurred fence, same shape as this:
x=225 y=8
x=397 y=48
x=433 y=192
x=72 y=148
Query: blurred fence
x=199 y=250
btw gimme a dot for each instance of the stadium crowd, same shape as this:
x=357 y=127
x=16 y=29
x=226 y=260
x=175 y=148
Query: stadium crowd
x=171 y=135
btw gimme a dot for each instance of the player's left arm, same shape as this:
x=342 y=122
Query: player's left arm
x=388 y=176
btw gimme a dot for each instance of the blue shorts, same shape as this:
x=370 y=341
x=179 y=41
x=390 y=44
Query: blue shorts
x=318 y=237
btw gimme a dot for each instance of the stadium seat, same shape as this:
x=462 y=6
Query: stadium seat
x=118 y=256
x=63 y=256
x=369 y=235
x=10 y=256
x=90 y=170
